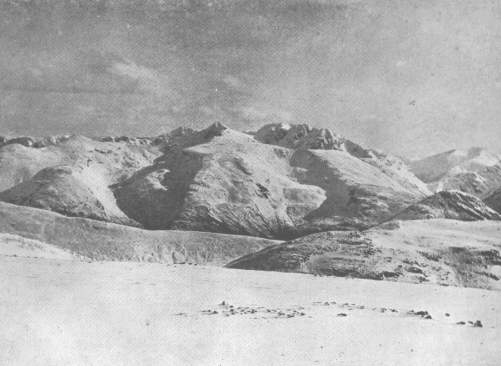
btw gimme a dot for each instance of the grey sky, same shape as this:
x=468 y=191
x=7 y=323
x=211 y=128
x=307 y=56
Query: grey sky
x=409 y=77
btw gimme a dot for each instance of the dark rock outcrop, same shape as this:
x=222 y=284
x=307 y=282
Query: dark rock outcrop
x=446 y=252
x=449 y=205
x=494 y=200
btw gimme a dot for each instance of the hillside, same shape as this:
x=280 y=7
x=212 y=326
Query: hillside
x=116 y=160
x=98 y=240
x=447 y=252
x=494 y=200
x=226 y=181
x=305 y=137
x=71 y=174
x=70 y=191
x=455 y=205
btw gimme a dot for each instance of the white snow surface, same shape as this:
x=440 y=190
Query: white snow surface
x=18 y=246
x=72 y=313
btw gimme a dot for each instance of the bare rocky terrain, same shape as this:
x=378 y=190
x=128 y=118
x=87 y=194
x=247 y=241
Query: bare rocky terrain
x=455 y=205
x=494 y=200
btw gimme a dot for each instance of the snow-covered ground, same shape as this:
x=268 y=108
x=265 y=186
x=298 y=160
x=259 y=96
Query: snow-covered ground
x=63 y=312
x=18 y=246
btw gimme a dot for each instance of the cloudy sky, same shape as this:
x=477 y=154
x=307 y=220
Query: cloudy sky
x=409 y=77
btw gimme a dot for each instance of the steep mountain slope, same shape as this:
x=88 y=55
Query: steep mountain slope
x=475 y=171
x=69 y=191
x=218 y=180
x=222 y=180
x=71 y=174
x=116 y=160
x=494 y=200
x=303 y=136
x=449 y=205
x=99 y=240
x=19 y=163
x=446 y=252
x=357 y=194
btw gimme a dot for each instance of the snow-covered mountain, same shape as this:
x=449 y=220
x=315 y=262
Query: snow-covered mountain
x=69 y=191
x=475 y=171
x=282 y=181
x=223 y=180
x=337 y=199
x=71 y=174
x=303 y=136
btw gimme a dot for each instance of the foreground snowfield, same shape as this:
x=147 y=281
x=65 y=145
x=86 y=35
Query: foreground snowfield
x=65 y=312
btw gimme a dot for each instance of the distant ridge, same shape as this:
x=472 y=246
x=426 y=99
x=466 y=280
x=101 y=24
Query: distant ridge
x=475 y=171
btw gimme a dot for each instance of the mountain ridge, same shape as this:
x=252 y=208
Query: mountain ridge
x=281 y=181
x=475 y=171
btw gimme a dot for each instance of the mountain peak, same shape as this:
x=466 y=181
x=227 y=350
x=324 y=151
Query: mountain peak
x=475 y=170
x=215 y=129
x=299 y=136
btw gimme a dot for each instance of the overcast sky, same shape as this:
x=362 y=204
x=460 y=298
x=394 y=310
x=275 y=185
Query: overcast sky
x=409 y=77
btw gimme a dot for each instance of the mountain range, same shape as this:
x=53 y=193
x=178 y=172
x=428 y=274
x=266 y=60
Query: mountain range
x=281 y=182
